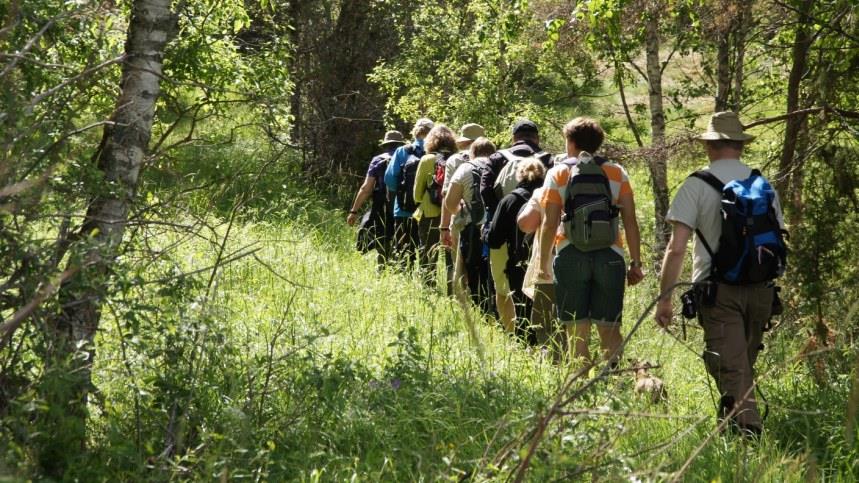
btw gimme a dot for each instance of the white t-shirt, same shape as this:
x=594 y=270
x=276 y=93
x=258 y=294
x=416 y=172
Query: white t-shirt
x=450 y=166
x=463 y=178
x=698 y=206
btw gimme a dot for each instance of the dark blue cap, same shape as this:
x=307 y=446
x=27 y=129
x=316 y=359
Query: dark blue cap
x=524 y=126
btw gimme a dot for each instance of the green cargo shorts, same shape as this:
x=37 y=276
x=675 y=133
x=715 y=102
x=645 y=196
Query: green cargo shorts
x=589 y=286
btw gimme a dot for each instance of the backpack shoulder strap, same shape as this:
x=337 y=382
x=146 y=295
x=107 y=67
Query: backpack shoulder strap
x=509 y=156
x=522 y=193
x=717 y=185
x=710 y=179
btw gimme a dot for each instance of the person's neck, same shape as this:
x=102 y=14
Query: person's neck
x=727 y=157
x=573 y=153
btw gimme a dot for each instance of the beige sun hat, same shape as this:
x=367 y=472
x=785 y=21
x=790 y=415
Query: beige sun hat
x=469 y=132
x=725 y=126
x=393 y=137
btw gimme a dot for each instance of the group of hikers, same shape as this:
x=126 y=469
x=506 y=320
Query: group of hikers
x=540 y=242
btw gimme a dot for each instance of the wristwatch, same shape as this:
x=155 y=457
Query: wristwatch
x=353 y=212
x=634 y=264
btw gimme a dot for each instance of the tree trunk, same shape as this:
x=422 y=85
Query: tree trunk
x=730 y=55
x=120 y=157
x=723 y=71
x=801 y=46
x=743 y=23
x=658 y=169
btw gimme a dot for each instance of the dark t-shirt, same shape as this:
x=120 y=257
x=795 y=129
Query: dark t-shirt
x=377 y=170
x=504 y=228
x=497 y=162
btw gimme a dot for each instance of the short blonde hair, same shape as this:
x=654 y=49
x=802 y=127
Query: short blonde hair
x=482 y=147
x=530 y=171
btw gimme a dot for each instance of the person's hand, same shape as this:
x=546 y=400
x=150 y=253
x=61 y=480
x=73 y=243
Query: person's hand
x=446 y=239
x=634 y=275
x=351 y=219
x=664 y=312
x=544 y=275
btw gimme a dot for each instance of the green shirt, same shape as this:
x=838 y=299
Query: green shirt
x=423 y=180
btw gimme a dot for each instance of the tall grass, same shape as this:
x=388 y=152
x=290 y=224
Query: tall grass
x=306 y=363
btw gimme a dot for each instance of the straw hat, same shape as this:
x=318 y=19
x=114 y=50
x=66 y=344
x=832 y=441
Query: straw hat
x=393 y=137
x=470 y=132
x=725 y=126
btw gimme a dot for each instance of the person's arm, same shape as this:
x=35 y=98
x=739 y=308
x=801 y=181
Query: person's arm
x=453 y=198
x=529 y=218
x=548 y=229
x=449 y=170
x=633 y=237
x=450 y=205
x=672 y=266
x=364 y=192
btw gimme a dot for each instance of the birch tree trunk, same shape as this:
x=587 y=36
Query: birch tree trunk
x=658 y=169
x=120 y=157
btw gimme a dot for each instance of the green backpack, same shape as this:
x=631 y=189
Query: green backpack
x=590 y=217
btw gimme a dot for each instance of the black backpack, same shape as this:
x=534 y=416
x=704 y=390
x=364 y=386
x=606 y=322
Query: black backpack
x=751 y=246
x=380 y=191
x=476 y=208
x=406 y=185
x=520 y=253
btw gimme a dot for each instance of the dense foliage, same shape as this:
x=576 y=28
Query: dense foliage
x=240 y=336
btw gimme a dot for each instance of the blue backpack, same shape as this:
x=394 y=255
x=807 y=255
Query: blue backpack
x=751 y=247
x=406 y=183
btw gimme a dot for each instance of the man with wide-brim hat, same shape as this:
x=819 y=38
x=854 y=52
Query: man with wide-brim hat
x=467 y=134
x=725 y=126
x=734 y=316
x=379 y=224
x=393 y=139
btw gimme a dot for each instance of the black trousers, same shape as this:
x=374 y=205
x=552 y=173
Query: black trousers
x=476 y=267
x=406 y=241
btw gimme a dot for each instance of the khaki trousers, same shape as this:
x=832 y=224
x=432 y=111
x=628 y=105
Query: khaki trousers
x=733 y=332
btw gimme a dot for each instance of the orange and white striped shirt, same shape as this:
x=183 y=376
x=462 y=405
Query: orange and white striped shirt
x=558 y=181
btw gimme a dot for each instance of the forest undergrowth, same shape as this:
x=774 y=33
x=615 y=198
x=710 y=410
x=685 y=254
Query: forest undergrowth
x=308 y=364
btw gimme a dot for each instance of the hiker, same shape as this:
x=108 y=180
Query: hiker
x=400 y=180
x=734 y=292
x=380 y=218
x=440 y=145
x=541 y=292
x=467 y=134
x=589 y=268
x=526 y=144
x=463 y=201
x=509 y=248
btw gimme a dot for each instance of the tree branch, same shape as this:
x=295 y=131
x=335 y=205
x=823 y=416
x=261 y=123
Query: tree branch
x=802 y=112
x=46 y=290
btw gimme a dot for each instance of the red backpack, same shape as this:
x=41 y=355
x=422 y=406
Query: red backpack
x=437 y=183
